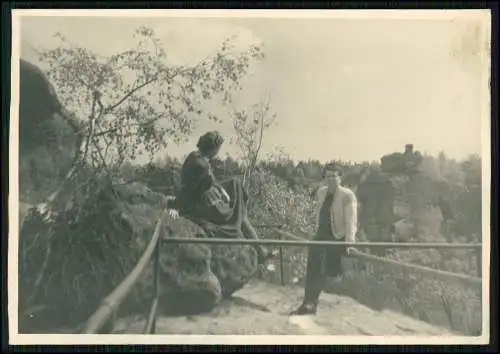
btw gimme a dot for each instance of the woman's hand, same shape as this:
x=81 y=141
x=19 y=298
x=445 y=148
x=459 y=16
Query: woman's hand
x=227 y=198
x=174 y=214
x=350 y=248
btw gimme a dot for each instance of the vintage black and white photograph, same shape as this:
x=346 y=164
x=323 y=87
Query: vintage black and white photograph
x=256 y=176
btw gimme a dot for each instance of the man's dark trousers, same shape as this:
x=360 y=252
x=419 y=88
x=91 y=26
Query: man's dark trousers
x=322 y=262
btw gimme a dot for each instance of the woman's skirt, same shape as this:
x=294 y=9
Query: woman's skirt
x=217 y=217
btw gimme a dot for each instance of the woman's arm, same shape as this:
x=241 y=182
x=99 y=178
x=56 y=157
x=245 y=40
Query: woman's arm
x=200 y=176
x=196 y=179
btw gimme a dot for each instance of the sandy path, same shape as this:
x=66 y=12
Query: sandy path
x=262 y=309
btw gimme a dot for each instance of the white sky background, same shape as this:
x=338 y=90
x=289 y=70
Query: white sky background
x=353 y=89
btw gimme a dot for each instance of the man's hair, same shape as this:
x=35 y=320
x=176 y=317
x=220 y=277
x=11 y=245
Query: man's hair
x=333 y=168
x=209 y=141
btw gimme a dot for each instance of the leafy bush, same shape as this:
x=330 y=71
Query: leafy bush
x=70 y=263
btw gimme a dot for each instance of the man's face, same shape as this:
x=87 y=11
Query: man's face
x=332 y=179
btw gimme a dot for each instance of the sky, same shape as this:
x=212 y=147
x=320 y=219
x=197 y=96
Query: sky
x=342 y=88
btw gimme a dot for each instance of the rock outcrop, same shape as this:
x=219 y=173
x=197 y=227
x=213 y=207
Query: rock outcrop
x=47 y=139
x=47 y=145
x=97 y=243
x=196 y=277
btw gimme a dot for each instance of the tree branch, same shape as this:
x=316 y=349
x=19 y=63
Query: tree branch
x=99 y=152
x=113 y=130
x=91 y=127
x=179 y=71
x=130 y=93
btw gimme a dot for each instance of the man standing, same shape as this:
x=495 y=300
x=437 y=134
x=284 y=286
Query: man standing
x=336 y=221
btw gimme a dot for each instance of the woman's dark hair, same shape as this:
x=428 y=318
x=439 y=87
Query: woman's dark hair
x=332 y=167
x=209 y=141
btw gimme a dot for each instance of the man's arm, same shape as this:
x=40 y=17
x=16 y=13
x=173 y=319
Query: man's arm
x=351 y=214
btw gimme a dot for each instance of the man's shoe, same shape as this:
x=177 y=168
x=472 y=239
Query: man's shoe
x=305 y=309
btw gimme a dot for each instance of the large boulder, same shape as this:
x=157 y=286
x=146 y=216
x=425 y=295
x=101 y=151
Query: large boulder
x=47 y=135
x=38 y=104
x=234 y=266
x=408 y=162
x=47 y=146
x=195 y=277
x=188 y=284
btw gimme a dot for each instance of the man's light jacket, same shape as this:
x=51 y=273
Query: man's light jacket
x=343 y=212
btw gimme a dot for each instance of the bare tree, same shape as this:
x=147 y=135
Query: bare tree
x=249 y=126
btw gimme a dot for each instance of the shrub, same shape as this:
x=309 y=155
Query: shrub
x=71 y=263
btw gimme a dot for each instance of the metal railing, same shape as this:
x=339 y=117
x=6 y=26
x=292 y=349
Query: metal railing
x=103 y=320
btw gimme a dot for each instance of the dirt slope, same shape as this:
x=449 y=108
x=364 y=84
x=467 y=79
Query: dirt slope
x=261 y=309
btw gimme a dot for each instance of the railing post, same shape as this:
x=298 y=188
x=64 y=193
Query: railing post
x=282 y=270
x=156 y=281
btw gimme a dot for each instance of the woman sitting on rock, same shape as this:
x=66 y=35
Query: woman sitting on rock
x=220 y=209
